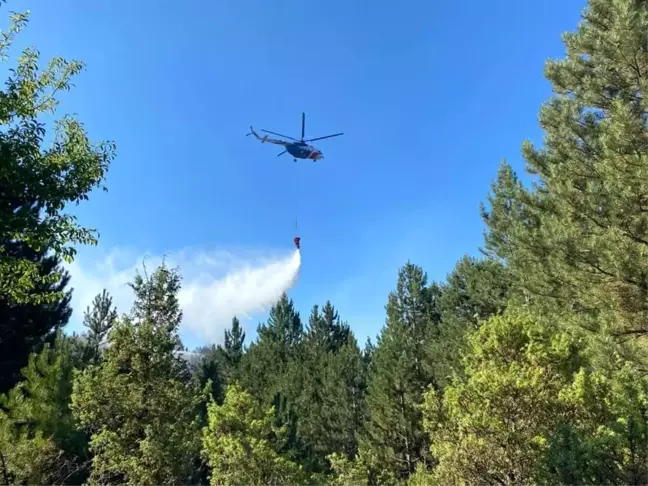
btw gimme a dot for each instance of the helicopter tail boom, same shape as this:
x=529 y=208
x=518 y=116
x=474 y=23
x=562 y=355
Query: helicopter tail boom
x=252 y=132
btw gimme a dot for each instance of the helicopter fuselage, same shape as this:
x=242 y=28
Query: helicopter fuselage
x=301 y=150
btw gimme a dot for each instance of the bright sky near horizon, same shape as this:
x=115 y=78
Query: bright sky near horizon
x=431 y=96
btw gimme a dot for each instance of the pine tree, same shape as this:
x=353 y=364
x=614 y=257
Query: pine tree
x=139 y=405
x=25 y=327
x=284 y=325
x=271 y=369
x=401 y=372
x=234 y=339
x=325 y=329
x=233 y=350
x=331 y=401
x=267 y=364
x=578 y=241
x=212 y=369
x=367 y=352
x=99 y=320
x=39 y=441
x=156 y=298
x=473 y=292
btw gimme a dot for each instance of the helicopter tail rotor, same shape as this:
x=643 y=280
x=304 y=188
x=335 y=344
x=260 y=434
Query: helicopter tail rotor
x=252 y=132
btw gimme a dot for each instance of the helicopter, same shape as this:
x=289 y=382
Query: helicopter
x=299 y=149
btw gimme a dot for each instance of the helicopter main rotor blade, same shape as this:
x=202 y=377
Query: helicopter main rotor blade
x=303 y=124
x=279 y=135
x=322 y=138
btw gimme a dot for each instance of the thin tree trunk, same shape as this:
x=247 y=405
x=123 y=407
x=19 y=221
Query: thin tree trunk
x=5 y=476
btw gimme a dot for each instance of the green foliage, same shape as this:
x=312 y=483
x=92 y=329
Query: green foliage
x=25 y=327
x=221 y=365
x=156 y=299
x=268 y=368
x=211 y=372
x=604 y=439
x=325 y=331
x=492 y=427
x=239 y=444
x=234 y=339
x=233 y=350
x=528 y=400
x=39 y=441
x=401 y=372
x=366 y=469
x=99 y=321
x=421 y=477
x=331 y=405
x=578 y=242
x=347 y=471
x=473 y=292
x=517 y=369
x=38 y=183
x=141 y=410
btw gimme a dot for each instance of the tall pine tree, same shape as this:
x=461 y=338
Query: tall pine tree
x=474 y=291
x=401 y=372
x=267 y=364
x=331 y=402
x=578 y=241
x=233 y=350
x=325 y=330
x=156 y=298
x=270 y=367
x=138 y=404
x=39 y=440
x=212 y=368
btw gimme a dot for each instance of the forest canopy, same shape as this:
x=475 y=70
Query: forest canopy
x=527 y=365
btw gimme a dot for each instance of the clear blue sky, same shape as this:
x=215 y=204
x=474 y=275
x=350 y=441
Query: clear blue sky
x=431 y=96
